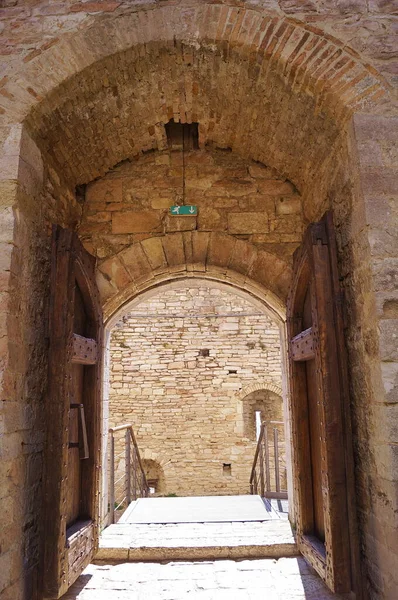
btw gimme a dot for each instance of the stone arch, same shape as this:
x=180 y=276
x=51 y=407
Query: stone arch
x=217 y=256
x=270 y=405
x=336 y=158
x=266 y=385
x=273 y=36
x=154 y=473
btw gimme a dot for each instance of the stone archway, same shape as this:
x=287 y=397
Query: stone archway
x=144 y=289
x=57 y=131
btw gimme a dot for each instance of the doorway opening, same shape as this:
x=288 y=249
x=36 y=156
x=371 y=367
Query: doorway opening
x=180 y=358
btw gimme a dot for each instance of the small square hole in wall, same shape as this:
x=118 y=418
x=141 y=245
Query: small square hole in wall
x=227 y=469
x=204 y=352
x=232 y=371
x=182 y=135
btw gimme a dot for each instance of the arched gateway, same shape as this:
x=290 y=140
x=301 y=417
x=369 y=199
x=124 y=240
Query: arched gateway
x=268 y=89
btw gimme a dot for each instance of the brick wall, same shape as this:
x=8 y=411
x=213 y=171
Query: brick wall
x=185 y=405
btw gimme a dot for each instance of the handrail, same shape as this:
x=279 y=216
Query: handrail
x=262 y=484
x=133 y=471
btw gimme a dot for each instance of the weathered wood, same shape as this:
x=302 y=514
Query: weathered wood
x=356 y=574
x=85 y=350
x=320 y=478
x=80 y=546
x=74 y=309
x=57 y=414
x=303 y=346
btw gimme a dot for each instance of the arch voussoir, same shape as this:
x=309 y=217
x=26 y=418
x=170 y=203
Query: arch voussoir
x=162 y=258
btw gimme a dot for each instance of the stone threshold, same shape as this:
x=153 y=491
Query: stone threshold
x=197 y=541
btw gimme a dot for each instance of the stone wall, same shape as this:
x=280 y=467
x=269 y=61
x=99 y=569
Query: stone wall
x=179 y=362
x=241 y=197
x=23 y=365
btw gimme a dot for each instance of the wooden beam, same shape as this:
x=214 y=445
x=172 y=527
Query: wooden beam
x=302 y=346
x=85 y=351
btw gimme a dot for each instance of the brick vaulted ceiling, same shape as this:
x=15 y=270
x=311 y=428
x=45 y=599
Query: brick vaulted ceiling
x=264 y=85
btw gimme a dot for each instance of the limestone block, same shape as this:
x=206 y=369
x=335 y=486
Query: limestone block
x=260 y=171
x=248 y=222
x=173 y=246
x=288 y=205
x=275 y=187
x=136 y=222
x=135 y=261
x=104 y=190
x=210 y=219
x=389 y=371
x=173 y=224
x=242 y=257
x=153 y=249
x=389 y=339
x=258 y=203
x=115 y=272
x=161 y=202
x=220 y=249
x=8 y=192
x=234 y=187
x=200 y=242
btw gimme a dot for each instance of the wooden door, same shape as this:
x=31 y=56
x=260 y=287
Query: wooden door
x=321 y=432
x=73 y=413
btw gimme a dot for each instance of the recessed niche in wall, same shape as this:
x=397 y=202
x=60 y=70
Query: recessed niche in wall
x=204 y=352
x=227 y=469
x=182 y=135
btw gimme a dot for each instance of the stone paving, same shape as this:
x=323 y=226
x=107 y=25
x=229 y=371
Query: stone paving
x=268 y=579
x=189 y=541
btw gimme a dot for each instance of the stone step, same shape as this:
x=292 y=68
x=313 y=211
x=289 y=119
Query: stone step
x=197 y=541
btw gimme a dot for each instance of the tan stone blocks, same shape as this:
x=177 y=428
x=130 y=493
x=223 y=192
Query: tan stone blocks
x=200 y=242
x=220 y=249
x=115 y=272
x=232 y=187
x=250 y=222
x=136 y=262
x=275 y=187
x=161 y=202
x=136 y=222
x=258 y=203
x=266 y=269
x=158 y=371
x=104 y=190
x=173 y=245
x=210 y=219
x=243 y=256
x=259 y=171
x=288 y=205
x=173 y=224
x=153 y=249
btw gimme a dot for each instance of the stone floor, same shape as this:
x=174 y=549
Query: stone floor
x=197 y=509
x=264 y=579
x=223 y=546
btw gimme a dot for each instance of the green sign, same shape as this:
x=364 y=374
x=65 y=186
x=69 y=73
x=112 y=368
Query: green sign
x=183 y=211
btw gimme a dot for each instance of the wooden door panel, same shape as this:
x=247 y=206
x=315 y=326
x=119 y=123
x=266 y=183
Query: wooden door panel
x=323 y=481
x=315 y=436
x=73 y=413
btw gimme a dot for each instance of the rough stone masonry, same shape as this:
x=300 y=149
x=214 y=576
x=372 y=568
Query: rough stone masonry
x=308 y=88
x=183 y=367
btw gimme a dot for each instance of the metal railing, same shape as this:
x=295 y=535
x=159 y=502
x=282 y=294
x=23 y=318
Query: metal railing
x=267 y=463
x=127 y=480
